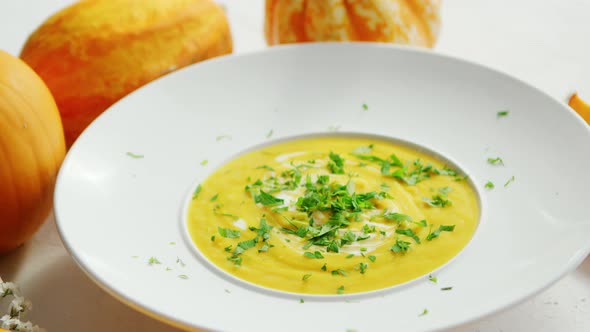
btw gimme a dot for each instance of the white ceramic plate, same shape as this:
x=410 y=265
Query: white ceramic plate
x=114 y=211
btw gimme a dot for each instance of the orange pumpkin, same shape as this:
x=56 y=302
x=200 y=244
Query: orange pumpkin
x=93 y=53
x=580 y=106
x=414 y=22
x=31 y=150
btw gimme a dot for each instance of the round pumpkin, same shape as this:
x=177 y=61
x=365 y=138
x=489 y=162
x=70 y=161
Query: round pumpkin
x=31 y=151
x=93 y=53
x=414 y=22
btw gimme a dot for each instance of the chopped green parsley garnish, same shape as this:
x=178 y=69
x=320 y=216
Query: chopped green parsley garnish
x=438 y=200
x=269 y=134
x=413 y=174
x=214 y=198
x=333 y=246
x=324 y=214
x=400 y=246
x=180 y=262
x=446 y=171
x=222 y=137
x=266 y=167
x=461 y=178
x=267 y=199
x=153 y=261
x=212 y=238
x=280 y=209
x=265 y=247
x=432 y=278
x=245 y=245
x=340 y=290
x=135 y=156
x=204 y=162
x=313 y=255
x=343 y=204
x=410 y=173
x=489 y=185
x=363 y=267
x=339 y=272
x=368 y=229
x=365 y=107
x=496 y=161
x=397 y=217
x=408 y=232
x=509 y=181
x=183 y=276
x=441 y=228
x=446 y=288
x=301 y=301
x=228 y=233
x=237 y=260
x=502 y=113
x=424 y=313
x=197 y=191
x=422 y=223
x=336 y=164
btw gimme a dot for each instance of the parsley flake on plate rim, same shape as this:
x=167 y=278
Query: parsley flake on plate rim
x=135 y=155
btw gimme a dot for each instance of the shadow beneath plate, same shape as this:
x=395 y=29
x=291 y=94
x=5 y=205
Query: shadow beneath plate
x=11 y=262
x=14 y=263
x=64 y=299
x=584 y=269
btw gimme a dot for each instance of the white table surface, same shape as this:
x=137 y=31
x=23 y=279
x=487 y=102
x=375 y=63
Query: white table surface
x=543 y=42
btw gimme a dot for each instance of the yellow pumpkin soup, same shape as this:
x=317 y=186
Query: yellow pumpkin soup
x=332 y=215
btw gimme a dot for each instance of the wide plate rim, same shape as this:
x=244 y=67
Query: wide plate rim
x=103 y=284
